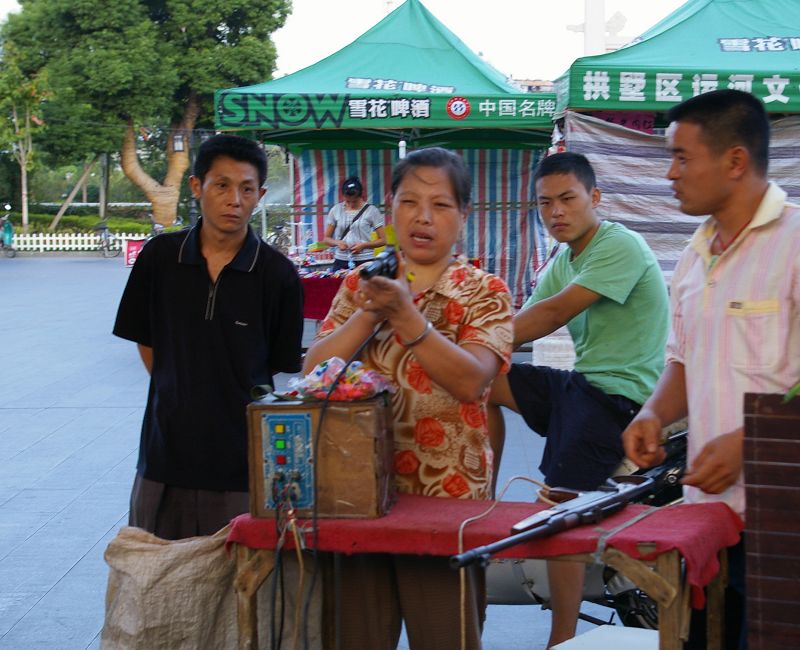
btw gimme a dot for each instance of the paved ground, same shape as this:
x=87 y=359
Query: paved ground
x=71 y=401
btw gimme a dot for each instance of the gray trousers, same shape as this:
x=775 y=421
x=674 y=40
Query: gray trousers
x=175 y=513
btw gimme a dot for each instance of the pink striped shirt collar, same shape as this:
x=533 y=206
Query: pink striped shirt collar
x=769 y=210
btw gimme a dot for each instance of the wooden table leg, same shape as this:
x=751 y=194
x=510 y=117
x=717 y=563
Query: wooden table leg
x=252 y=568
x=715 y=605
x=668 y=566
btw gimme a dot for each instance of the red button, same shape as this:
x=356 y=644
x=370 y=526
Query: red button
x=281 y=460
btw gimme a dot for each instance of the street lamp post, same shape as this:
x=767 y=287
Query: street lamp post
x=194 y=213
x=196 y=138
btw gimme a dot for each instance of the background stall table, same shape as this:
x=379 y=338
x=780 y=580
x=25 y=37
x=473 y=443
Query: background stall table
x=318 y=293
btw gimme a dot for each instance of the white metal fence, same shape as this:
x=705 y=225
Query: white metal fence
x=67 y=241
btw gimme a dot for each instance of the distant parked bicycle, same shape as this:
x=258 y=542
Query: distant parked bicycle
x=156 y=228
x=7 y=238
x=109 y=245
x=279 y=238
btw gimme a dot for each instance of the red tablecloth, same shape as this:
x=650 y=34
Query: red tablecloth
x=429 y=526
x=318 y=295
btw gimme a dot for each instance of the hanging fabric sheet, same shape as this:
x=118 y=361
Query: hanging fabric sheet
x=503 y=231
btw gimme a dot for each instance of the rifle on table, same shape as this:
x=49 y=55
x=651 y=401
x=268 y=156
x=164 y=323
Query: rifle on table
x=584 y=508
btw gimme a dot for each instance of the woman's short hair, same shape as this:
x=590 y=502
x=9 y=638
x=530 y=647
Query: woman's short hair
x=450 y=162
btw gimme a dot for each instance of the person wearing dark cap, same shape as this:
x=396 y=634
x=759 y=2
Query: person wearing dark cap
x=350 y=225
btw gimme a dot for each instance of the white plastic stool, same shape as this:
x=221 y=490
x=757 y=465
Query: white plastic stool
x=612 y=637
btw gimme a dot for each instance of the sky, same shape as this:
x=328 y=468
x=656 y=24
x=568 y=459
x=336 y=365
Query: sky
x=524 y=39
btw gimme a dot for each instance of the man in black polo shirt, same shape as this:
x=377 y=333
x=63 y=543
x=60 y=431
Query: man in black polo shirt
x=214 y=311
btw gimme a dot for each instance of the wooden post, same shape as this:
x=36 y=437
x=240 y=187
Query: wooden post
x=68 y=201
x=252 y=568
x=668 y=566
x=715 y=607
x=246 y=605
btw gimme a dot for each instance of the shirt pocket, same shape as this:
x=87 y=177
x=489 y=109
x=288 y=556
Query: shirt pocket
x=753 y=332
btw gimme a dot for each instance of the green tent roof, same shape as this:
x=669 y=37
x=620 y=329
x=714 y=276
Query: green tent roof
x=751 y=45
x=409 y=77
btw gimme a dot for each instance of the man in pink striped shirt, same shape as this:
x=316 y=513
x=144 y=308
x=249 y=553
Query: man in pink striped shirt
x=735 y=299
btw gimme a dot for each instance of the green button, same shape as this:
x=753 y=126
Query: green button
x=280 y=444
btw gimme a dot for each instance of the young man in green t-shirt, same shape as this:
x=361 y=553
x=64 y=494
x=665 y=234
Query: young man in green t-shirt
x=607 y=288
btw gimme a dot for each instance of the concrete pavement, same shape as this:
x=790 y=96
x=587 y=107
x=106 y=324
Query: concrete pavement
x=71 y=400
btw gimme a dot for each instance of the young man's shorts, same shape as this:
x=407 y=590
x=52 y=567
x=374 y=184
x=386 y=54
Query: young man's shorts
x=582 y=424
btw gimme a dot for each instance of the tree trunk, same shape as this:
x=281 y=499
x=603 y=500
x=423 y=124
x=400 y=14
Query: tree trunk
x=24 y=189
x=22 y=152
x=164 y=196
x=102 y=200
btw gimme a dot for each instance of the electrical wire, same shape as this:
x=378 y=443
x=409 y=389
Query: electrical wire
x=462 y=572
x=315 y=511
x=299 y=550
x=276 y=637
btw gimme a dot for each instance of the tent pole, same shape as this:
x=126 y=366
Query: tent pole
x=292 y=218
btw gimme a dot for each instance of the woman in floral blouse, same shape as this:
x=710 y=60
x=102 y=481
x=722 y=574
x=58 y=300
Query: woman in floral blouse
x=447 y=335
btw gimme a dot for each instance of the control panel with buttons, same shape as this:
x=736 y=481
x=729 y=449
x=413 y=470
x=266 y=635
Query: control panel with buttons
x=288 y=469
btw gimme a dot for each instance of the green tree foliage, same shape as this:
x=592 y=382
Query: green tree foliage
x=120 y=69
x=21 y=97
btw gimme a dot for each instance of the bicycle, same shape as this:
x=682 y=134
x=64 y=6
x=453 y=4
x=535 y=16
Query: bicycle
x=279 y=238
x=108 y=246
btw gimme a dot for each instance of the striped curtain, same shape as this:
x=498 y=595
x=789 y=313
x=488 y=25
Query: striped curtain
x=504 y=232
x=631 y=169
x=631 y=172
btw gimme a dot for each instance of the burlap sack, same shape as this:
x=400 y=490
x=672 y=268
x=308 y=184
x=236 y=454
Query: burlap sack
x=178 y=595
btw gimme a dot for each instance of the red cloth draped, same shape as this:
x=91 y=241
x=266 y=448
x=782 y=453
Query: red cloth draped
x=429 y=526
x=318 y=294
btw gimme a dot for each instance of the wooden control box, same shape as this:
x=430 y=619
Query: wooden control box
x=344 y=465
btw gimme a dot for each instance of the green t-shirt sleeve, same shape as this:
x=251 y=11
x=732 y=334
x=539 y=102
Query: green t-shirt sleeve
x=546 y=286
x=614 y=266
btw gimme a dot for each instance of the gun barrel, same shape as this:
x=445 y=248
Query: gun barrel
x=469 y=557
x=561 y=518
x=483 y=553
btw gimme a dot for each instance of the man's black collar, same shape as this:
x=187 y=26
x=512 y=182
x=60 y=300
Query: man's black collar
x=245 y=259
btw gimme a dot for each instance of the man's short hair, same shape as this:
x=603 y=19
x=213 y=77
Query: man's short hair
x=564 y=163
x=232 y=146
x=728 y=118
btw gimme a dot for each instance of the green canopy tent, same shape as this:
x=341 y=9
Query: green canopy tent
x=408 y=79
x=751 y=45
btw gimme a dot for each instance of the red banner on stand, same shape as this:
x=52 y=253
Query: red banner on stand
x=132 y=248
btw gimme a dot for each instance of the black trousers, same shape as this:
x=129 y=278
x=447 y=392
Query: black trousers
x=735 y=612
